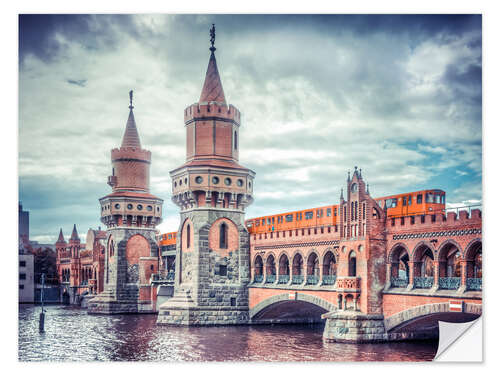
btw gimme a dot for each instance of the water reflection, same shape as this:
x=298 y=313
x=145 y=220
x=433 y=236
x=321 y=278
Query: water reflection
x=73 y=335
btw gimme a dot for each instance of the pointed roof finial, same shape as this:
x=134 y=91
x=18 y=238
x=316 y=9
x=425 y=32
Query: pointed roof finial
x=348 y=175
x=74 y=234
x=212 y=87
x=131 y=135
x=61 y=237
x=341 y=194
x=368 y=189
x=359 y=172
x=212 y=38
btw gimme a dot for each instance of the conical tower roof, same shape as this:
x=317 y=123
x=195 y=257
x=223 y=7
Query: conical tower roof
x=61 y=237
x=131 y=135
x=74 y=234
x=212 y=88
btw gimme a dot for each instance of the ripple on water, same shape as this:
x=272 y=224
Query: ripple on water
x=73 y=335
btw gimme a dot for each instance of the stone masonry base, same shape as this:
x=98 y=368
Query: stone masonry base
x=202 y=316
x=356 y=327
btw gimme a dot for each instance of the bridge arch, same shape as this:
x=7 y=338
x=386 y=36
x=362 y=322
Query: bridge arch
x=449 y=255
x=432 y=312
x=283 y=307
x=420 y=247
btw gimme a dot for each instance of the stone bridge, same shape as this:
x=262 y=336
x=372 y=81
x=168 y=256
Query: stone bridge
x=367 y=290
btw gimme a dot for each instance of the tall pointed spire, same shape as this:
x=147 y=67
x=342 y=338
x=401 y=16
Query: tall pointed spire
x=74 y=234
x=212 y=88
x=131 y=136
x=61 y=237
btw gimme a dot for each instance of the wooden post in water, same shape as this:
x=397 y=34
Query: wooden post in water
x=42 y=314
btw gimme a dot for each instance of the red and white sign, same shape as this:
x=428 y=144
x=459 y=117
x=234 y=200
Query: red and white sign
x=292 y=295
x=456 y=306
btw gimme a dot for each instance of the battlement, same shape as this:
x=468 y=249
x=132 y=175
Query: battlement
x=438 y=219
x=131 y=153
x=212 y=109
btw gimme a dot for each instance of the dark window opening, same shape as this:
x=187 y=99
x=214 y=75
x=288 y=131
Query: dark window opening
x=223 y=236
x=233 y=301
x=188 y=235
x=419 y=199
x=223 y=270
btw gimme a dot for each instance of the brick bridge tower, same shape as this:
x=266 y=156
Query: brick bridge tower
x=361 y=274
x=131 y=214
x=212 y=191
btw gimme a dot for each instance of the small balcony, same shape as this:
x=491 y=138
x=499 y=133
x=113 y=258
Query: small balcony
x=112 y=181
x=351 y=283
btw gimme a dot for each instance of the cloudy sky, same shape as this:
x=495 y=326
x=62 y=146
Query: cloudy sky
x=398 y=96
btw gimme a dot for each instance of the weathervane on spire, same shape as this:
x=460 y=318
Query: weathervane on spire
x=131 y=95
x=212 y=37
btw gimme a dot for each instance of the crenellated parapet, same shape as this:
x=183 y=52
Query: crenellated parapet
x=210 y=111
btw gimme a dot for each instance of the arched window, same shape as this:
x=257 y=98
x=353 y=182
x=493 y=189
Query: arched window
x=223 y=236
x=352 y=264
x=188 y=234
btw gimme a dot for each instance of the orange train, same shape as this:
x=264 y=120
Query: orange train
x=415 y=203
x=167 y=239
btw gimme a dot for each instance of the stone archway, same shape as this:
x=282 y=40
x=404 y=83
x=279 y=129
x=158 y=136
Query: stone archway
x=291 y=307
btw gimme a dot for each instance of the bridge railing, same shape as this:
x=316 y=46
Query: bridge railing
x=258 y=278
x=423 y=282
x=297 y=279
x=399 y=282
x=283 y=279
x=312 y=280
x=450 y=283
x=474 y=284
x=329 y=279
x=270 y=279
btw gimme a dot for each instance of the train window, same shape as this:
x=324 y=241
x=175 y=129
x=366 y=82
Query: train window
x=391 y=203
x=299 y=216
x=404 y=201
x=268 y=220
x=443 y=197
x=428 y=198
x=289 y=218
x=257 y=223
x=335 y=212
x=309 y=215
x=263 y=221
x=328 y=212
x=272 y=220
x=409 y=200
x=419 y=199
x=169 y=236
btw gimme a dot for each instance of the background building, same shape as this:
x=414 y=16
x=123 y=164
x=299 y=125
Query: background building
x=26 y=260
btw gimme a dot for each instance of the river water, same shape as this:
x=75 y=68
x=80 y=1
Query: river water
x=73 y=335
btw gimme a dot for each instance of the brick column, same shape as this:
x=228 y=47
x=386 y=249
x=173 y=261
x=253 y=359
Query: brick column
x=436 y=274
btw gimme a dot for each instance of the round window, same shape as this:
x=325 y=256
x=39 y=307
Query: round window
x=117 y=206
x=227 y=181
x=129 y=206
x=240 y=182
x=198 y=179
x=150 y=208
x=215 y=180
x=139 y=206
